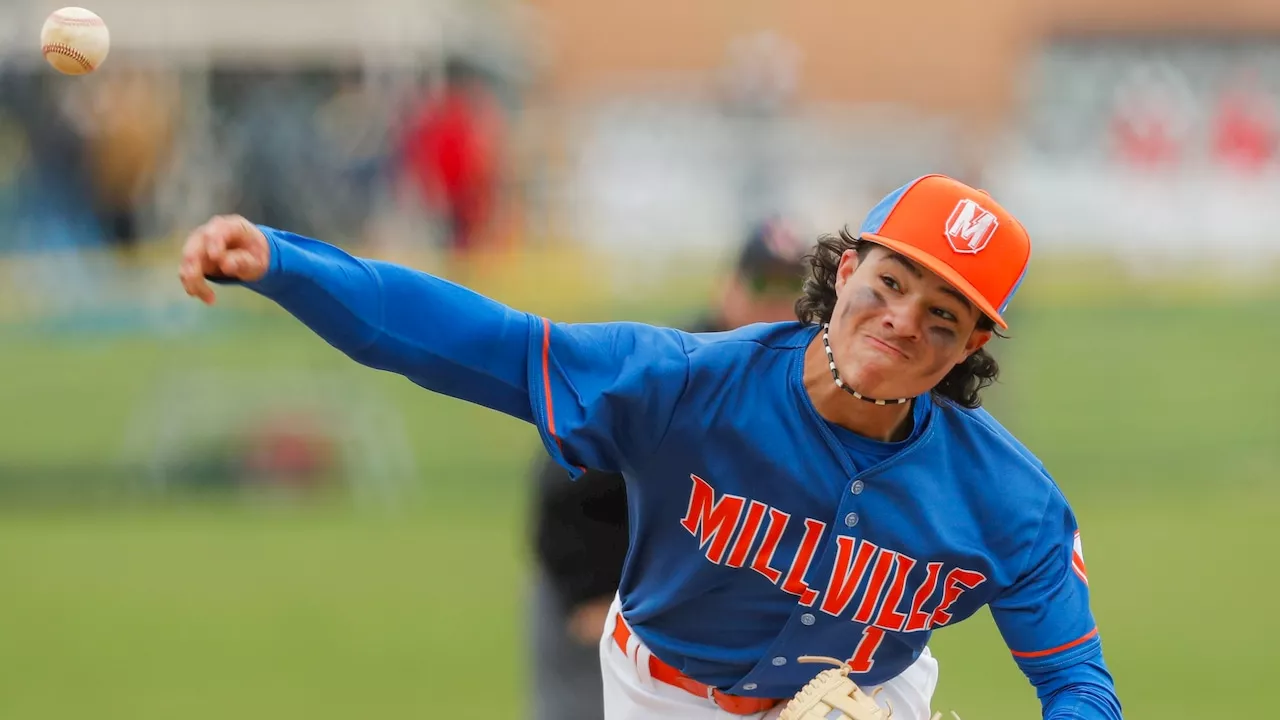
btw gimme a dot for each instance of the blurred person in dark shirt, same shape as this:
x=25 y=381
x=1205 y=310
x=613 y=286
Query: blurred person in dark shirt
x=580 y=527
x=45 y=183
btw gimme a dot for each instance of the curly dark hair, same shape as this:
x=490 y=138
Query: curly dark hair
x=962 y=386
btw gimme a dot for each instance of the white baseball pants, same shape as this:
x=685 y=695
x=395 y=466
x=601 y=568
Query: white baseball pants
x=630 y=694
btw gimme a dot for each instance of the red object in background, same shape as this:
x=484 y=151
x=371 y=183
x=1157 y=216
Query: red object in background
x=1244 y=131
x=1144 y=140
x=1150 y=117
x=290 y=451
x=451 y=154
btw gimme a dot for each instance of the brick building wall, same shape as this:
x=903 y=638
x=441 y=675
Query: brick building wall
x=959 y=58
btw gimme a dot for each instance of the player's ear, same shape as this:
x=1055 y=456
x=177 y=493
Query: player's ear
x=848 y=263
x=977 y=339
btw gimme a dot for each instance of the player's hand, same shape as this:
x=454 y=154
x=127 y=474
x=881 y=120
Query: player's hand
x=227 y=246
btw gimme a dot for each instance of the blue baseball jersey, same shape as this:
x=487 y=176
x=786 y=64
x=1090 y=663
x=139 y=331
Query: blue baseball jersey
x=760 y=532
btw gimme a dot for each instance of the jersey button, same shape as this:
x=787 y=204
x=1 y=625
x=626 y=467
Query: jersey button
x=779 y=661
x=807 y=619
x=857 y=487
x=851 y=519
x=750 y=686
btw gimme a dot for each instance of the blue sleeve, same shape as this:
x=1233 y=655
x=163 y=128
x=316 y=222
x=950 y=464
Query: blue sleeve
x=1046 y=620
x=1084 y=691
x=439 y=335
x=605 y=394
x=601 y=395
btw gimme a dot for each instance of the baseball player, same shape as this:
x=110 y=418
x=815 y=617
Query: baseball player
x=580 y=527
x=826 y=487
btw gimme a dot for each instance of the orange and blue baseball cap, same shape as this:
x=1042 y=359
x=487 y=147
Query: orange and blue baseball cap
x=960 y=233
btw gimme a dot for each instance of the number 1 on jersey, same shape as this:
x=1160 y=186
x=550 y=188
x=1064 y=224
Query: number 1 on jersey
x=862 y=661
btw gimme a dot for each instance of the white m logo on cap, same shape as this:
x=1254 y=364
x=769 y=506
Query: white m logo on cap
x=970 y=227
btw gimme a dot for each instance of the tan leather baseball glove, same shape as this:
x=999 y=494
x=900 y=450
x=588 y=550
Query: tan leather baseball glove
x=833 y=696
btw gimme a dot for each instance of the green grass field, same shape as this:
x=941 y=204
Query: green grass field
x=1158 y=418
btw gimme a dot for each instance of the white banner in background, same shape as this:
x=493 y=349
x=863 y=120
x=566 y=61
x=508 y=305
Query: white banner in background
x=1150 y=148
x=1233 y=220
x=666 y=177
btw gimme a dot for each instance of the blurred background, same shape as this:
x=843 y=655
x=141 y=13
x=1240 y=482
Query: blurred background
x=209 y=513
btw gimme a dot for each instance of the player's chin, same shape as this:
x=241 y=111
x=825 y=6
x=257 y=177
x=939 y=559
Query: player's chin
x=881 y=377
x=880 y=368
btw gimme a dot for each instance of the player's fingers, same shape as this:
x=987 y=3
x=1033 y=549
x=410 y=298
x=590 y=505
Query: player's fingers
x=239 y=230
x=194 y=282
x=216 y=237
x=195 y=263
x=240 y=264
x=248 y=243
x=199 y=288
x=193 y=248
x=192 y=260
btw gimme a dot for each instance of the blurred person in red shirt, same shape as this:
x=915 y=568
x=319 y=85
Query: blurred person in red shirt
x=451 y=152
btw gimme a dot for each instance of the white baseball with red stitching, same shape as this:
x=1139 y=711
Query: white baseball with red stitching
x=75 y=41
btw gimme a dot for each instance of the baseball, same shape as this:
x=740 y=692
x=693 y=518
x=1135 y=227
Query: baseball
x=74 y=40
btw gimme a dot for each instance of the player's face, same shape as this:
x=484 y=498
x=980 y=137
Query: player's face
x=898 y=328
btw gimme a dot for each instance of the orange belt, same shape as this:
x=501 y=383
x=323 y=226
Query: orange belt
x=663 y=672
